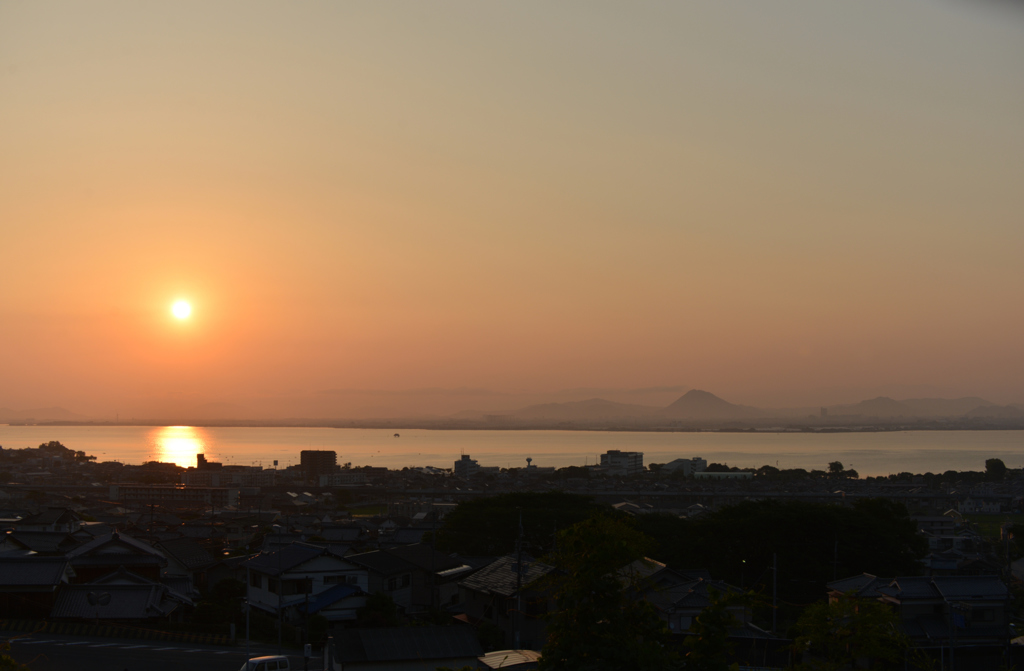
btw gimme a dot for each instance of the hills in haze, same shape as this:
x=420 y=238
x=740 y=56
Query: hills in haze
x=701 y=406
x=654 y=408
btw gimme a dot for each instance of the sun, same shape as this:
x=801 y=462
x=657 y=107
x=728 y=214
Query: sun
x=181 y=309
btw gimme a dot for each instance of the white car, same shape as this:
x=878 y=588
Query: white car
x=269 y=663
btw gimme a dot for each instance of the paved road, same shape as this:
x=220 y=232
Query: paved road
x=46 y=652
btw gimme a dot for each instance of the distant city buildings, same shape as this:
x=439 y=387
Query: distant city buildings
x=174 y=496
x=466 y=467
x=688 y=467
x=618 y=462
x=315 y=463
x=215 y=474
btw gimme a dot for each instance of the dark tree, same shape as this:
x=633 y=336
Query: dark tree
x=489 y=526
x=995 y=470
x=599 y=625
x=380 y=611
x=814 y=543
x=843 y=633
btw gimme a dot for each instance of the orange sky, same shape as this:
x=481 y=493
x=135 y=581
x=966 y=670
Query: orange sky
x=783 y=203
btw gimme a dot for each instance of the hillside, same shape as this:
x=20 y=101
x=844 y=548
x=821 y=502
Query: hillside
x=702 y=405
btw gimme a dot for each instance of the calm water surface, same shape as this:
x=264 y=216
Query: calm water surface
x=868 y=453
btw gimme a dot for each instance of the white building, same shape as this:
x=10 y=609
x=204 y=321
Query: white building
x=299 y=574
x=618 y=462
x=688 y=467
x=466 y=467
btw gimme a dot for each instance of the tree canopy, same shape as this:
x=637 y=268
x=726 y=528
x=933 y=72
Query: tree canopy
x=814 y=543
x=839 y=634
x=489 y=526
x=600 y=623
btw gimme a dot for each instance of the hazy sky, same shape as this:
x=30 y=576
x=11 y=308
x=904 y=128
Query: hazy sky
x=780 y=202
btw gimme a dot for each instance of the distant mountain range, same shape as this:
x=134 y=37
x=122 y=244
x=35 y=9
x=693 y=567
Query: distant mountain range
x=650 y=408
x=697 y=405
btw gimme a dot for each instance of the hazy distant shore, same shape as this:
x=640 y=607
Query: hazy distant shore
x=448 y=425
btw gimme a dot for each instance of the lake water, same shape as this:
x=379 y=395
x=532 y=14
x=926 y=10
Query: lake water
x=868 y=453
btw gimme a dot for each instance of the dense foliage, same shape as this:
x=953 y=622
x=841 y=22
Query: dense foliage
x=814 y=543
x=489 y=526
x=599 y=624
x=848 y=631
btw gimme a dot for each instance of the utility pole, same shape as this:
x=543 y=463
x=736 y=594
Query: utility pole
x=517 y=619
x=280 y=589
x=775 y=591
x=835 y=560
x=248 y=607
x=433 y=559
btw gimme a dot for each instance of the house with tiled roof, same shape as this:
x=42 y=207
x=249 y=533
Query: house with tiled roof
x=107 y=553
x=185 y=557
x=679 y=596
x=52 y=519
x=939 y=611
x=292 y=578
x=51 y=543
x=143 y=600
x=416 y=577
x=503 y=588
x=29 y=584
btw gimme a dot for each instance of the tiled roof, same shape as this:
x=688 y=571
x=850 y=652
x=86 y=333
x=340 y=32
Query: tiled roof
x=966 y=588
x=864 y=584
x=499 y=577
x=128 y=545
x=187 y=552
x=275 y=563
x=947 y=588
x=32 y=571
x=382 y=562
x=127 y=602
x=51 y=516
x=397 y=644
x=408 y=536
x=45 y=542
x=341 y=534
x=688 y=595
x=425 y=557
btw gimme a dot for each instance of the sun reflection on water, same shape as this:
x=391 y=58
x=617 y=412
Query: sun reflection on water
x=178 y=444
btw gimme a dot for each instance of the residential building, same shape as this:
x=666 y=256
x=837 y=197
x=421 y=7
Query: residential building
x=230 y=476
x=618 y=462
x=28 y=585
x=315 y=463
x=52 y=519
x=940 y=611
x=298 y=574
x=112 y=551
x=688 y=467
x=678 y=596
x=508 y=595
x=416 y=577
x=466 y=467
x=175 y=496
x=343 y=478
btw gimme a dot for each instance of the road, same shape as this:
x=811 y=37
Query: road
x=46 y=652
